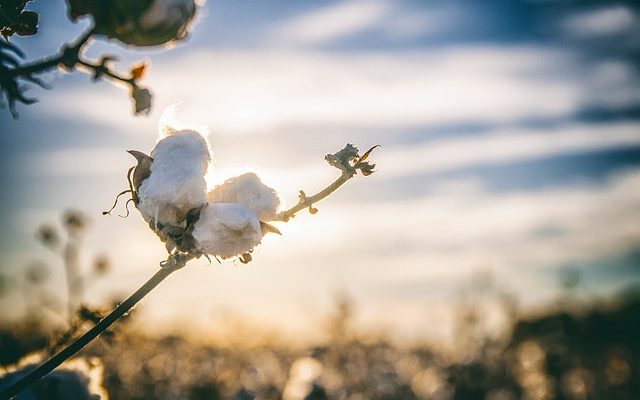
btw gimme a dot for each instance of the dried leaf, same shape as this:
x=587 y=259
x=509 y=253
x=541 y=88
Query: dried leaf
x=137 y=71
x=268 y=228
x=142 y=100
x=367 y=169
x=366 y=153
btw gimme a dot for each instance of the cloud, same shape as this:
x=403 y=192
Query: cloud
x=76 y=162
x=406 y=24
x=455 y=230
x=504 y=146
x=388 y=20
x=332 y=22
x=267 y=90
x=608 y=21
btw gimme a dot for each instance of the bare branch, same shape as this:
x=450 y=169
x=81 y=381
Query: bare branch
x=346 y=160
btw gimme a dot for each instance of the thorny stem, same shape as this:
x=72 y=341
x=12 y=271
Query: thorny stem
x=173 y=263
x=308 y=201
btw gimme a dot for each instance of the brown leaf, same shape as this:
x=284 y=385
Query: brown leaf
x=367 y=169
x=141 y=99
x=366 y=153
x=137 y=71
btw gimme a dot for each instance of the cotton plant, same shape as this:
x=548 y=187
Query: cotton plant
x=168 y=188
x=226 y=221
x=229 y=220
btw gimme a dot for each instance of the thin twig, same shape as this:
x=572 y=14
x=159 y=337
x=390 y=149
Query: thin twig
x=101 y=69
x=173 y=264
x=346 y=160
x=308 y=201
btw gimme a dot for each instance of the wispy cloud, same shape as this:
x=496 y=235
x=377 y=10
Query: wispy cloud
x=504 y=146
x=76 y=162
x=266 y=90
x=388 y=20
x=332 y=22
x=607 y=21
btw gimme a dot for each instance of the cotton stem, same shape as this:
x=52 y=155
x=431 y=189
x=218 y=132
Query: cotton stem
x=349 y=162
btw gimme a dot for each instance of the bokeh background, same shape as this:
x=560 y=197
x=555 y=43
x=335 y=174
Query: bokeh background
x=507 y=184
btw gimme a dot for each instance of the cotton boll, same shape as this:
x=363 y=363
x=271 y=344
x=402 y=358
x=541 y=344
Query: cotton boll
x=248 y=190
x=176 y=182
x=227 y=229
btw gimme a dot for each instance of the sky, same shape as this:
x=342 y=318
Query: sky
x=510 y=145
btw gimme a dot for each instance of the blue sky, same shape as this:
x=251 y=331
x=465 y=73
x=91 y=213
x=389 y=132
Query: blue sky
x=510 y=142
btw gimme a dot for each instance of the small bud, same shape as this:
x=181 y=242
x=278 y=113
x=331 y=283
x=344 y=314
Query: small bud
x=101 y=265
x=74 y=221
x=48 y=236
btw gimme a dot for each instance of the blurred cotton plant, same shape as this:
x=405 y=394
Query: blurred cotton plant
x=227 y=221
x=140 y=23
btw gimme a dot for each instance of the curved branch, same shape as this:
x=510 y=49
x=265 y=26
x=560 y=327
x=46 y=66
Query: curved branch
x=346 y=160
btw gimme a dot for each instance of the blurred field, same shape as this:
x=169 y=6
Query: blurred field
x=573 y=351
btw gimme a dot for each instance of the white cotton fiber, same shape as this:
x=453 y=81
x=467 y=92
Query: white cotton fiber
x=248 y=190
x=176 y=183
x=227 y=229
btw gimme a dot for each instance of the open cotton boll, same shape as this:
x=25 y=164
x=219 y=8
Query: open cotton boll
x=248 y=190
x=227 y=230
x=176 y=182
